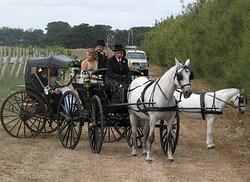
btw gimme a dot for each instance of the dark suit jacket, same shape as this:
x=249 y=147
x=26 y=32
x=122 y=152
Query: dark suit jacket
x=102 y=60
x=116 y=70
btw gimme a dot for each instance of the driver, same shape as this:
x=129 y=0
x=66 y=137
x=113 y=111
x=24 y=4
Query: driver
x=118 y=70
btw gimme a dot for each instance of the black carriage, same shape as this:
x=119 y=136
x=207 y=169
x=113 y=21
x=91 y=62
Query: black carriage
x=33 y=110
x=107 y=119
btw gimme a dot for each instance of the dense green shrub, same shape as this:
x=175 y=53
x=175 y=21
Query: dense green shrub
x=214 y=34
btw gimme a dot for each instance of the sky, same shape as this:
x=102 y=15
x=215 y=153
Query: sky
x=124 y=14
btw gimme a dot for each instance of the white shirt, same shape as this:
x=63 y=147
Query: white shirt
x=118 y=59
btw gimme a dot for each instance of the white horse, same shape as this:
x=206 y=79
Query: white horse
x=160 y=94
x=209 y=106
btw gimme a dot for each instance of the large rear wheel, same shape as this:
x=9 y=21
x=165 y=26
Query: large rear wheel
x=113 y=134
x=96 y=125
x=69 y=118
x=23 y=114
x=50 y=125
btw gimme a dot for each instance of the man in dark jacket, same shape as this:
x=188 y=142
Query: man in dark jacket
x=102 y=58
x=118 y=71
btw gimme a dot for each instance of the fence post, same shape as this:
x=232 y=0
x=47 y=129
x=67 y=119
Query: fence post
x=20 y=61
x=5 y=64
x=13 y=60
x=4 y=51
x=1 y=63
x=24 y=62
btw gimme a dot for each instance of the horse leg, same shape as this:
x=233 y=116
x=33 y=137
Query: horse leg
x=150 y=138
x=133 y=124
x=145 y=136
x=210 y=126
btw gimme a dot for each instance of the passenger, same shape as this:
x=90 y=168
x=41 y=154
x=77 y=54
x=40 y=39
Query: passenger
x=90 y=63
x=102 y=58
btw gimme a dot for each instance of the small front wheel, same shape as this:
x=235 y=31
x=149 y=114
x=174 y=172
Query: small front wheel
x=169 y=139
x=139 y=137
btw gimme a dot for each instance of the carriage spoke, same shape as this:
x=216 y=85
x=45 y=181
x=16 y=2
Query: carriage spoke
x=66 y=132
x=19 y=128
x=71 y=135
x=62 y=129
x=113 y=133
x=15 y=125
x=12 y=121
x=10 y=110
x=11 y=116
x=18 y=104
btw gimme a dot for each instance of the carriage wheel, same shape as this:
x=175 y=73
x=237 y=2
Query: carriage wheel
x=23 y=114
x=169 y=139
x=69 y=118
x=113 y=134
x=96 y=125
x=139 y=136
x=50 y=126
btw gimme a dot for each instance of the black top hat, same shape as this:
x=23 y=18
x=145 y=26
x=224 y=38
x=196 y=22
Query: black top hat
x=118 y=47
x=100 y=42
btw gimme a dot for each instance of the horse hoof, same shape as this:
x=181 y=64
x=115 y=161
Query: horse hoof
x=149 y=160
x=171 y=160
x=133 y=155
x=211 y=147
x=144 y=152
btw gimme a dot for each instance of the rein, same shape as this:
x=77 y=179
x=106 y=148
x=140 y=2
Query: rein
x=130 y=90
x=227 y=103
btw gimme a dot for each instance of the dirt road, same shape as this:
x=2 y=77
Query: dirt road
x=44 y=159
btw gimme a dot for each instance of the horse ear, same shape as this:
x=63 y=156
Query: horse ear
x=187 y=62
x=176 y=61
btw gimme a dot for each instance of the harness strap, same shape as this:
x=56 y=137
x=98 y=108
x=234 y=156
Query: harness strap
x=162 y=91
x=145 y=88
x=214 y=97
x=211 y=110
x=162 y=109
x=181 y=93
x=203 y=106
x=130 y=90
x=141 y=99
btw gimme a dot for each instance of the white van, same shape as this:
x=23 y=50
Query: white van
x=138 y=59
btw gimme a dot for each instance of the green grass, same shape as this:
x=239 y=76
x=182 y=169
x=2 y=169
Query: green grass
x=9 y=84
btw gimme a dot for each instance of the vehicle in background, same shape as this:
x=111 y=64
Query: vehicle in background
x=137 y=59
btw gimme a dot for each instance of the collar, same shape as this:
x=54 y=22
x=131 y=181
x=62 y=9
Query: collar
x=118 y=59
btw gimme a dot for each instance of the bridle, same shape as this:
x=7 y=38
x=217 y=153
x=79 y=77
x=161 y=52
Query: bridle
x=242 y=101
x=179 y=76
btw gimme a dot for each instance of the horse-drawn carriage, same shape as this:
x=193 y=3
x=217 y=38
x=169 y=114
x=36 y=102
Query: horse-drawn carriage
x=38 y=108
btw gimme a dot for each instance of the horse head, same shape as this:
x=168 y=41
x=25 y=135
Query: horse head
x=183 y=76
x=240 y=101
